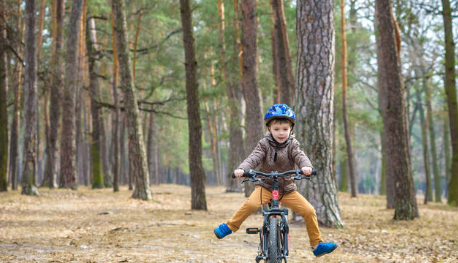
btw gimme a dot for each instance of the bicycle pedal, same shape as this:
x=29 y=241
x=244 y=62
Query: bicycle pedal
x=252 y=230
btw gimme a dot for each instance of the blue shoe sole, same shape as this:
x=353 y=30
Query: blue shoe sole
x=325 y=253
x=214 y=231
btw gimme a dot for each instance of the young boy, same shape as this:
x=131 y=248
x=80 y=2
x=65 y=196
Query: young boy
x=278 y=151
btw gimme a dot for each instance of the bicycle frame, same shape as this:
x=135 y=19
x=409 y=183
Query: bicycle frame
x=274 y=212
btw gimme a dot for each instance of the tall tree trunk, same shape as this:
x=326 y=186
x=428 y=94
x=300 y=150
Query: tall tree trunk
x=116 y=116
x=103 y=140
x=253 y=118
x=314 y=103
x=52 y=150
x=82 y=169
x=432 y=139
x=233 y=89
x=350 y=157
x=383 y=168
x=281 y=45
x=343 y=175
x=450 y=90
x=395 y=117
x=137 y=152
x=39 y=41
x=68 y=139
x=3 y=102
x=40 y=22
x=153 y=163
x=30 y=103
x=211 y=119
x=447 y=154
x=424 y=139
x=97 y=121
x=381 y=79
x=198 y=177
x=14 y=136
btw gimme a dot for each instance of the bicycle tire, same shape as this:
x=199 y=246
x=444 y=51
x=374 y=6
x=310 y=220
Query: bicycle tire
x=272 y=242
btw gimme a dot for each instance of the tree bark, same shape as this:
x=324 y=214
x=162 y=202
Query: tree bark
x=314 y=103
x=424 y=139
x=432 y=139
x=381 y=80
x=253 y=117
x=395 y=117
x=97 y=121
x=52 y=150
x=447 y=156
x=233 y=89
x=450 y=90
x=30 y=103
x=137 y=152
x=350 y=157
x=68 y=139
x=116 y=116
x=198 y=177
x=3 y=103
x=284 y=67
x=153 y=163
x=17 y=83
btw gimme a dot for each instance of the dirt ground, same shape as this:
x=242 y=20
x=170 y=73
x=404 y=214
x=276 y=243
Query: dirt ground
x=102 y=226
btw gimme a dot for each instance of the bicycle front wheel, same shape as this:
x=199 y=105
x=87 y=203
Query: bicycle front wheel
x=273 y=242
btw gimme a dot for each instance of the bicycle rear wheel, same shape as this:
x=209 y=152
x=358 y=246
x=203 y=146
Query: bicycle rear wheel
x=273 y=242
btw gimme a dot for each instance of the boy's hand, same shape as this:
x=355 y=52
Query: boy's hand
x=238 y=173
x=307 y=170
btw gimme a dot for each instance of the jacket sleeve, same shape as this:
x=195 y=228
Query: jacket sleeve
x=254 y=159
x=299 y=157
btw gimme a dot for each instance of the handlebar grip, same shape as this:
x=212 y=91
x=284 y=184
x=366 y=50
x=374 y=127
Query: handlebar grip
x=245 y=174
x=313 y=172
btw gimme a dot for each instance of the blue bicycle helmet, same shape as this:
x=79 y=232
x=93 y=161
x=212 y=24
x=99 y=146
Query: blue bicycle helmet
x=278 y=111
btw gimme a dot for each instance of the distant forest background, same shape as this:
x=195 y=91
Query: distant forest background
x=156 y=51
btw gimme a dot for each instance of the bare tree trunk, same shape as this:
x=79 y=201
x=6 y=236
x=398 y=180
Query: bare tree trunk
x=383 y=168
x=343 y=175
x=14 y=136
x=395 y=117
x=97 y=121
x=314 y=103
x=137 y=152
x=350 y=157
x=253 y=118
x=236 y=149
x=52 y=150
x=3 y=102
x=30 y=103
x=450 y=89
x=68 y=139
x=153 y=164
x=424 y=138
x=432 y=139
x=284 y=66
x=198 y=177
x=116 y=140
x=381 y=77
x=447 y=158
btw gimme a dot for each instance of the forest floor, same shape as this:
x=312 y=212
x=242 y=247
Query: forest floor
x=101 y=226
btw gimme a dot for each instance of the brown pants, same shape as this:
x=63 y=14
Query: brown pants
x=293 y=200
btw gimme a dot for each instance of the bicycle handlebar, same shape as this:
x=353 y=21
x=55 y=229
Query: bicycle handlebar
x=253 y=173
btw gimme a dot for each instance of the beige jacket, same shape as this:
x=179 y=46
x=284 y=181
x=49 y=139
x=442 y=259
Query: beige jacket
x=289 y=155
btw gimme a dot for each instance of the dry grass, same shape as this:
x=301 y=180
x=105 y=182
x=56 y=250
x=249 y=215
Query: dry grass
x=102 y=226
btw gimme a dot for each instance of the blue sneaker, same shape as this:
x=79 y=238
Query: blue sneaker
x=324 y=248
x=222 y=231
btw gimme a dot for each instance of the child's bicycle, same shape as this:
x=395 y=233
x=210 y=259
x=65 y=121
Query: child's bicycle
x=273 y=246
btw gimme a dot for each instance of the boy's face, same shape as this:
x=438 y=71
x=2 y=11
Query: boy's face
x=280 y=131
